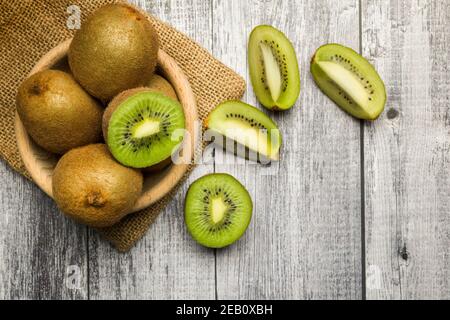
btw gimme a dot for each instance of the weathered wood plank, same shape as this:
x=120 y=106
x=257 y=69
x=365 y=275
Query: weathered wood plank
x=407 y=151
x=42 y=253
x=166 y=263
x=304 y=239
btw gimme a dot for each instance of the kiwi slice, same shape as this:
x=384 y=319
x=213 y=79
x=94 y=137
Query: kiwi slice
x=274 y=68
x=138 y=126
x=218 y=210
x=349 y=80
x=247 y=126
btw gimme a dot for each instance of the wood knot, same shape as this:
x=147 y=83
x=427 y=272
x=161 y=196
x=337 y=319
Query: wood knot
x=404 y=253
x=392 y=113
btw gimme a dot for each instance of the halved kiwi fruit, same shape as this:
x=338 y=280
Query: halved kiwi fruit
x=274 y=68
x=159 y=84
x=138 y=125
x=349 y=80
x=218 y=210
x=247 y=126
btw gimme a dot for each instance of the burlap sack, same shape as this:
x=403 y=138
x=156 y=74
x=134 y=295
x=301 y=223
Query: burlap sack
x=29 y=28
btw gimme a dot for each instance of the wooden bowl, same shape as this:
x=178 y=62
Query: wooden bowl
x=40 y=163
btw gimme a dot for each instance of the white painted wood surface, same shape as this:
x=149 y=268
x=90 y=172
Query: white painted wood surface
x=407 y=151
x=304 y=240
x=308 y=238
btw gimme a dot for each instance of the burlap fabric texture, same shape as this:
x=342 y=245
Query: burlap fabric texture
x=30 y=28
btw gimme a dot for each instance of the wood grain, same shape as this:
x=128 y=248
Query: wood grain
x=42 y=253
x=166 y=263
x=304 y=239
x=407 y=151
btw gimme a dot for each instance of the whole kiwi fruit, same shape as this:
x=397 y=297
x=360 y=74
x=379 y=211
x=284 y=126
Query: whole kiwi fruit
x=115 y=49
x=57 y=113
x=160 y=84
x=92 y=188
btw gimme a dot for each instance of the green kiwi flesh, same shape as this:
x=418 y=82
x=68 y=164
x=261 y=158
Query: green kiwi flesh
x=218 y=210
x=349 y=80
x=247 y=126
x=274 y=70
x=140 y=125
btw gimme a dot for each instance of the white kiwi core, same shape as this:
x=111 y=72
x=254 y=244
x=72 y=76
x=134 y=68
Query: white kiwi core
x=272 y=71
x=146 y=128
x=252 y=137
x=347 y=81
x=218 y=210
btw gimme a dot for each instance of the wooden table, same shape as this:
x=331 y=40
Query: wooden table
x=353 y=209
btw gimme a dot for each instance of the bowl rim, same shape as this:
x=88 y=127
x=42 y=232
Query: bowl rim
x=40 y=163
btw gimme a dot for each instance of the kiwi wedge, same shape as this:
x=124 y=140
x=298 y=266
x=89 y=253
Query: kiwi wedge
x=92 y=188
x=138 y=126
x=274 y=70
x=349 y=80
x=246 y=125
x=57 y=113
x=115 y=49
x=218 y=210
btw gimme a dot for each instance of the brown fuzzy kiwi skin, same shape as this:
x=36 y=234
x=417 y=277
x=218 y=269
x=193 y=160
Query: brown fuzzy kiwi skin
x=116 y=49
x=112 y=106
x=159 y=84
x=92 y=188
x=57 y=113
x=158 y=167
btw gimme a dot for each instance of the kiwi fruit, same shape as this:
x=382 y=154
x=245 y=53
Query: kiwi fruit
x=274 y=70
x=92 y=188
x=57 y=113
x=246 y=125
x=218 y=210
x=349 y=80
x=138 y=125
x=115 y=49
x=160 y=84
